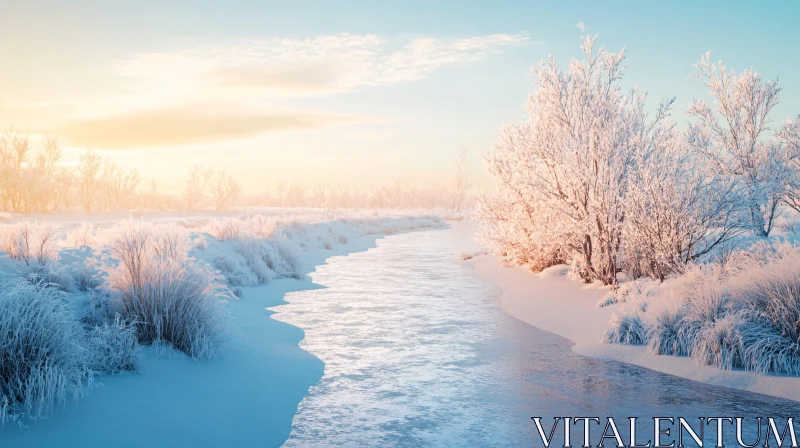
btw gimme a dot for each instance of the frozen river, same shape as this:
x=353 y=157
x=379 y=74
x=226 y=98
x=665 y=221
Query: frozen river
x=418 y=352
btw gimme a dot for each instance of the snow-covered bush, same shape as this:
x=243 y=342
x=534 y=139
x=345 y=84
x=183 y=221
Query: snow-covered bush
x=169 y=241
x=29 y=242
x=95 y=308
x=112 y=346
x=637 y=290
x=233 y=273
x=290 y=261
x=694 y=305
x=226 y=229
x=769 y=303
x=742 y=314
x=260 y=257
x=262 y=226
x=85 y=277
x=577 y=273
x=626 y=329
x=42 y=361
x=668 y=335
x=515 y=227
x=720 y=343
x=52 y=275
x=169 y=299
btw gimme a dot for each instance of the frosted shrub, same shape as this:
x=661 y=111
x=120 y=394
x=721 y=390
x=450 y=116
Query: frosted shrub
x=511 y=229
x=29 y=242
x=42 y=363
x=699 y=300
x=112 y=346
x=235 y=277
x=260 y=258
x=291 y=263
x=703 y=300
x=626 y=329
x=95 y=308
x=668 y=334
x=168 y=241
x=542 y=258
x=266 y=258
x=765 y=350
x=612 y=297
x=226 y=229
x=735 y=315
x=85 y=278
x=51 y=275
x=262 y=226
x=770 y=307
x=637 y=290
x=720 y=344
x=173 y=300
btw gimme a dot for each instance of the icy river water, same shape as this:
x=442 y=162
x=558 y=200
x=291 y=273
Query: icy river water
x=418 y=352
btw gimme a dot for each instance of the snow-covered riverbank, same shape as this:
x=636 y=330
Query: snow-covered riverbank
x=248 y=393
x=565 y=307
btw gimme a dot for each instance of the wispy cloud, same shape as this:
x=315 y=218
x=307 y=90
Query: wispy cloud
x=323 y=64
x=163 y=97
x=185 y=126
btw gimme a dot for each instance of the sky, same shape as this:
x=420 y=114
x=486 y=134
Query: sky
x=362 y=92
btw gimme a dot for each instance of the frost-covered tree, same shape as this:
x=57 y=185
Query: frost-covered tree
x=196 y=185
x=733 y=134
x=576 y=153
x=29 y=173
x=88 y=179
x=64 y=184
x=296 y=195
x=226 y=191
x=590 y=176
x=319 y=195
x=789 y=137
x=676 y=209
x=118 y=185
x=460 y=184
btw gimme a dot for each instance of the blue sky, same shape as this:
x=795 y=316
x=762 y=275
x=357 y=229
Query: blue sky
x=86 y=60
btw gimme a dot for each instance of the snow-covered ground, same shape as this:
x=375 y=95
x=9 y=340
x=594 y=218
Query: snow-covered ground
x=553 y=302
x=245 y=395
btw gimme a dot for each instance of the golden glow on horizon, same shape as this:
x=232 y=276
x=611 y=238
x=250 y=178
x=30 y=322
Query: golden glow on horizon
x=227 y=102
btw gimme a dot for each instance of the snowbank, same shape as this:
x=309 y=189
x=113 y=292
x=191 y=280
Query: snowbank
x=247 y=393
x=551 y=301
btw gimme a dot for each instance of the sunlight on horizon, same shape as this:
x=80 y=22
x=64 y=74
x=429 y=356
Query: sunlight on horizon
x=274 y=98
x=258 y=108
